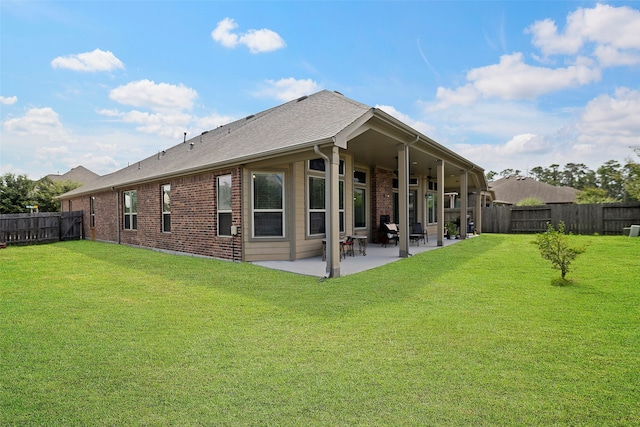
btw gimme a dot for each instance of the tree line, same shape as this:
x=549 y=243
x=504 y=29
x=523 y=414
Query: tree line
x=17 y=192
x=611 y=182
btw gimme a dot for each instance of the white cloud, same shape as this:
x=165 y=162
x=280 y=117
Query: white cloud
x=212 y=121
x=418 y=125
x=608 y=28
x=38 y=122
x=8 y=100
x=168 y=125
x=611 y=124
x=157 y=97
x=98 y=60
x=257 y=41
x=288 y=89
x=513 y=79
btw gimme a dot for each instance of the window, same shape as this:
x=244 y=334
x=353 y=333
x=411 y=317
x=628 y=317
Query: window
x=318 y=165
x=268 y=204
x=130 y=210
x=432 y=208
x=92 y=211
x=166 y=208
x=224 y=205
x=359 y=199
x=316 y=202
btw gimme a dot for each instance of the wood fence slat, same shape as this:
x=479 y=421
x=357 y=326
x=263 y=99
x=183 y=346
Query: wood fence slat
x=42 y=227
x=578 y=219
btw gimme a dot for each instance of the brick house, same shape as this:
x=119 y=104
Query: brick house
x=274 y=185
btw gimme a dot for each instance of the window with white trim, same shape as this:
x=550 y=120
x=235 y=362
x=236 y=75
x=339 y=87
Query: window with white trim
x=224 y=205
x=316 y=197
x=166 y=208
x=92 y=212
x=432 y=208
x=130 y=210
x=359 y=199
x=267 y=204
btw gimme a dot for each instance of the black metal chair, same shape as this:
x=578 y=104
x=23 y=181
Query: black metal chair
x=417 y=234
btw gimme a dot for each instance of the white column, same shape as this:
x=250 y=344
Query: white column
x=332 y=222
x=440 y=182
x=464 y=202
x=403 y=199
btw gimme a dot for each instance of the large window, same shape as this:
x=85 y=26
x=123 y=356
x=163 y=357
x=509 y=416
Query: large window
x=268 y=204
x=316 y=202
x=224 y=205
x=432 y=208
x=166 y=208
x=130 y=210
x=359 y=199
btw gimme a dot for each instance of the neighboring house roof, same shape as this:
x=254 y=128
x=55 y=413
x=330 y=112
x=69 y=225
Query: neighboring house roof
x=512 y=189
x=78 y=174
x=321 y=118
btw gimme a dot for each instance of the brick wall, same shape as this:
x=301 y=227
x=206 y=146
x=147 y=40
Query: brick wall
x=193 y=216
x=382 y=197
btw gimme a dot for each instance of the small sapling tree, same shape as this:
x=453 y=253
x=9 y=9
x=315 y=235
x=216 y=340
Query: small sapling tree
x=554 y=246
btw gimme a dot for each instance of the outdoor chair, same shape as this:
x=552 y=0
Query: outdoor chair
x=391 y=234
x=348 y=247
x=417 y=234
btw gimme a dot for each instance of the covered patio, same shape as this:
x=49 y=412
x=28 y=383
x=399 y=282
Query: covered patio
x=377 y=255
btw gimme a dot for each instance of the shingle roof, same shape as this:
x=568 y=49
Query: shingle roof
x=515 y=188
x=78 y=174
x=303 y=122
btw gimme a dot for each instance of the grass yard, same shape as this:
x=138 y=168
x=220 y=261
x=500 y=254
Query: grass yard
x=473 y=334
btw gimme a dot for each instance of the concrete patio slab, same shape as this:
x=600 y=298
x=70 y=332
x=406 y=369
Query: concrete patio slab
x=377 y=255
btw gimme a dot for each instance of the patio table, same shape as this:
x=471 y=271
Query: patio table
x=362 y=243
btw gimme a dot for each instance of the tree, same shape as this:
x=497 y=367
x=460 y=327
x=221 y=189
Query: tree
x=491 y=176
x=593 y=195
x=47 y=192
x=554 y=247
x=16 y=192
x=632 y=174
x=530 y=201
x=610 y=179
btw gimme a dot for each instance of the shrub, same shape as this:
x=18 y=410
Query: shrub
x=530 y=201
x=554 y=247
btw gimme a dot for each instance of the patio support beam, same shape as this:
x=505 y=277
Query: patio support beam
x=440 y=202
x=403 y=199
x=464 y=202
x=477 y=223
x=332 y=216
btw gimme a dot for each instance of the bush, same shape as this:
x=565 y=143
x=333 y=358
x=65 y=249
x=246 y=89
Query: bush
x=554 y=247
x=530 y=201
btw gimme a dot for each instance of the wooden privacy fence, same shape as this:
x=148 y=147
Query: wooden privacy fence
x=608 y=219
x=27 y=229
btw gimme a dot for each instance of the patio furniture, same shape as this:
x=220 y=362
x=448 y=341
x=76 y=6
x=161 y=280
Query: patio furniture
x=348 y=246
x=362 y=243
x=417 y=234
x=324 y=249
x=391 y=234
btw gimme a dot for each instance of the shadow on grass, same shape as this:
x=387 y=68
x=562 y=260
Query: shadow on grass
x=333 y=297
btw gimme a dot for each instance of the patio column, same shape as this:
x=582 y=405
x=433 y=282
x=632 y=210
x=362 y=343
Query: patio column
x=332 y=223
x=403 y=199
x=477 y=224
x=464 y=202
x=440 y=182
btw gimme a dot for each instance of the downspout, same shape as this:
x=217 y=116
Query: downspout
x=117 y=213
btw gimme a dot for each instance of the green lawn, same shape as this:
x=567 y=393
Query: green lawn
x=472 y=334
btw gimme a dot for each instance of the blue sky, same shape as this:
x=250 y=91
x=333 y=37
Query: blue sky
x=507 y=84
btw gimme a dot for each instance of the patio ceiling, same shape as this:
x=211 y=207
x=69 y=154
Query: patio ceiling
x=375 y=148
